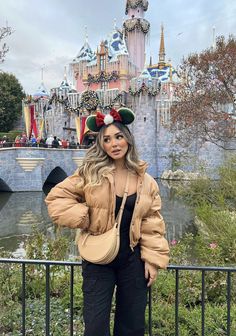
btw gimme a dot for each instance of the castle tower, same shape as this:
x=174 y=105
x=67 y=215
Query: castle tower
x=144 y=127
x=135 y=30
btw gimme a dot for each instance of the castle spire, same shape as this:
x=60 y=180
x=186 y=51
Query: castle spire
x=114 y=24
x=150 y=62
x=65 y=76
x=42 y=70
x=86 y=34
x=213 y=38
x=162 y=54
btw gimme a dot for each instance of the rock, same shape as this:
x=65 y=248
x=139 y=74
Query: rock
x=166 y=174
x=179 y=175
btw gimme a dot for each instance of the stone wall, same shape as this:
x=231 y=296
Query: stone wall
x=144 y=130
x=26 y=169
x=158 y=147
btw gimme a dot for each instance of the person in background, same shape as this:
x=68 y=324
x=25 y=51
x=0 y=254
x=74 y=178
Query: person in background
x=72 y=144
x=33 y=141
x=24 y=140
x=64 y=143
x=49 y=141
x=90 y=200
x=17 y=141
x=55 y=142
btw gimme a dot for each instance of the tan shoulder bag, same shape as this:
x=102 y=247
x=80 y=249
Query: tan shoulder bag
x=103 y=248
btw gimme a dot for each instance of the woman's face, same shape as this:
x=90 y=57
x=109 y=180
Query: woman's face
x=114 y=143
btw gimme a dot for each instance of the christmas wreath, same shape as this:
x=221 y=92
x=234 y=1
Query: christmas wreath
x=89 y=100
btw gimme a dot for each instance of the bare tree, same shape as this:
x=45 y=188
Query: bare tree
x=4 y=32
x=205 y=107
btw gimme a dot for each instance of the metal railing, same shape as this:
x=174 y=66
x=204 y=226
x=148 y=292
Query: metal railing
x=72 y=265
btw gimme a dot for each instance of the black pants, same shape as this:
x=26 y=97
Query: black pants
x=127 y=273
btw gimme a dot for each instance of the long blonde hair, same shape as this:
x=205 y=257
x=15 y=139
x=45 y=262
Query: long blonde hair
x=97 y=163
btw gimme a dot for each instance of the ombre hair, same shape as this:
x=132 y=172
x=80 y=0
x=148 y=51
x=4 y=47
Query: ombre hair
x=97 y=163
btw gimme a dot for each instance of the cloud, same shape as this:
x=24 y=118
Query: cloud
x=51 y=33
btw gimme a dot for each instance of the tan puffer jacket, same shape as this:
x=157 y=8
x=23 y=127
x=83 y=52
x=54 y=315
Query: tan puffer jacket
x=93 y=208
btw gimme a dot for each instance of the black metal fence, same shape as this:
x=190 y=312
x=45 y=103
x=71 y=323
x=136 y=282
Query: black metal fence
x=72 y=265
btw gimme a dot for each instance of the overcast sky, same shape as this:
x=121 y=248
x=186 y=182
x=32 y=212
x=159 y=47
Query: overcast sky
x=50 y=33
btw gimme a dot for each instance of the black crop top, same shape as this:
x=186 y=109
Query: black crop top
x=126 y=218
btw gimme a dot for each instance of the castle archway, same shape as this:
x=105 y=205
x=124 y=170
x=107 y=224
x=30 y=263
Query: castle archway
x=56 y=176
x=4 y=186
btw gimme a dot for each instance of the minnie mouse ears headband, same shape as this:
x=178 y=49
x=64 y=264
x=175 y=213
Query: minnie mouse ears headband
x=123 y=115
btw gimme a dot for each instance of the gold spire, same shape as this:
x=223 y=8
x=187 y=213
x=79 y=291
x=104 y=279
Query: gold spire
x=162 y=54
x=171 y=71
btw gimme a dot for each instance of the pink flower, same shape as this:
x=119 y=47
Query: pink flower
x=213 y=245
x=173 y=242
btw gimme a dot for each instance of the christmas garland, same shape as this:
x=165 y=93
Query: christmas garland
x=116 y=99
x=56 y=99
x=136 y=24
x=96 y=102
x=71 y=109
x=31 y=100
x=144 y=89
x=133 y=4
x=103 y=77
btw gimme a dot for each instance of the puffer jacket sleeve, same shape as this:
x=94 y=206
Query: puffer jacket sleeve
x=154 y=246
x=66 y=205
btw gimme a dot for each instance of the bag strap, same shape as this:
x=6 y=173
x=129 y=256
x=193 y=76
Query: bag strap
x=120 y=213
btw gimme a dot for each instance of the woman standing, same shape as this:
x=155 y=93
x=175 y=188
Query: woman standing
x=90 y=200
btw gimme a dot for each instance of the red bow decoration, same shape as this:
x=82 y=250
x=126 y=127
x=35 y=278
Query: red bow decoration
x=100 y=117
x=116 y=115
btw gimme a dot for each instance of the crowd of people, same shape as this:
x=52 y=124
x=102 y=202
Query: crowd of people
x=49 y=142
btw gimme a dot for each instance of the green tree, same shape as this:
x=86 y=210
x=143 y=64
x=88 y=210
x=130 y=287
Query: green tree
x=11 y=95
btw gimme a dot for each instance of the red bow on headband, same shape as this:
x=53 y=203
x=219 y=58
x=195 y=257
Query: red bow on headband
x=100 y=118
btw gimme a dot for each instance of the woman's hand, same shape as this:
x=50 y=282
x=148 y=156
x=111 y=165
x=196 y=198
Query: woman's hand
x=150 y=273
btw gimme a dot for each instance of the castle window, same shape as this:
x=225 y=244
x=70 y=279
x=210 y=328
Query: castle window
x=104 y=85
x=102 y=62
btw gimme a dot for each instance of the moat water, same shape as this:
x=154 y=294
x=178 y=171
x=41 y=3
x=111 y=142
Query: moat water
x=21 y=211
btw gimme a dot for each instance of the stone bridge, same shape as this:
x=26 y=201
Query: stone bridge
x=32 y=169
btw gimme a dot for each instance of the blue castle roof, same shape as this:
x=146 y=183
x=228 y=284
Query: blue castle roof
x=163 y=74
x=41 y=92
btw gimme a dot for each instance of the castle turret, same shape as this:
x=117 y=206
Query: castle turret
x=136 y=29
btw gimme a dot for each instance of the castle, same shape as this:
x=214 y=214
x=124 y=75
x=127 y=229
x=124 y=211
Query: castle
x=117 y=74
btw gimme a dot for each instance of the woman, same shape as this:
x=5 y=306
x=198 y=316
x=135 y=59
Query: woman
x=90 y=200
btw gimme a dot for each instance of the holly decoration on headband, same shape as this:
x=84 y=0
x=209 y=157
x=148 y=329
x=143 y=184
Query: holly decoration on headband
x=123 y=115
